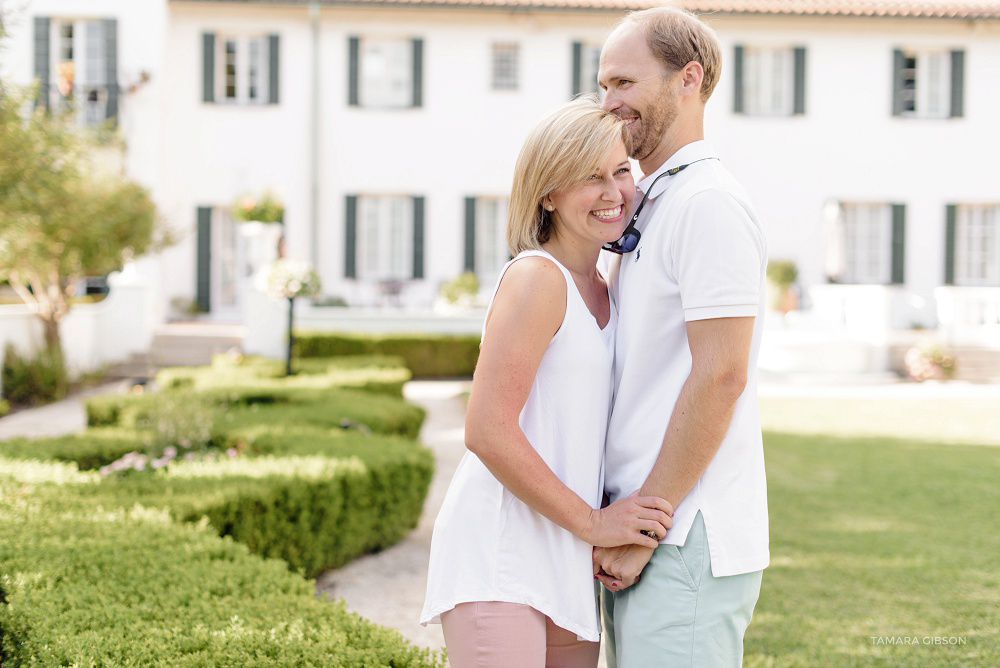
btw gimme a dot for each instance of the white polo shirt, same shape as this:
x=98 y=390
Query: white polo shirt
x=702 y=255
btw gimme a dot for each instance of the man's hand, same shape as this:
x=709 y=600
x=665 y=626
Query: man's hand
x=619 y=567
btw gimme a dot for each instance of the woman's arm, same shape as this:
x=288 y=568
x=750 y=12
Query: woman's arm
x=527 y=312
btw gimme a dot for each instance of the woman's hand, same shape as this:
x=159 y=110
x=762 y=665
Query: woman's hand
x=622 y=522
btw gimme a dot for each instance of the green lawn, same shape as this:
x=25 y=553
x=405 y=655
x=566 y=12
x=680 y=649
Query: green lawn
x=874 y=537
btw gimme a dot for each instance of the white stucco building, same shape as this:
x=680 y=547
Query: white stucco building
x=865 y=132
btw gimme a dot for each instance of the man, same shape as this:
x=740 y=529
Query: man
x=685 y=425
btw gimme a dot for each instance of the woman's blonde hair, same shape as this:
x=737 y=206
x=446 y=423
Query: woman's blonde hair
x=561 y=152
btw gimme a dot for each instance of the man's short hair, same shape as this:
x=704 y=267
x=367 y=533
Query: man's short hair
x=676 y=37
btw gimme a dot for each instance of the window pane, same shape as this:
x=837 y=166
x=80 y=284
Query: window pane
x=253 y=73
x=491 y=239
x=926 y=84
x=385 y=238
x=867 y=234
x=768 y=81
x=590 y=64
x=977 y=245
x=505 y=66
x=386 y=76
x=230 y=69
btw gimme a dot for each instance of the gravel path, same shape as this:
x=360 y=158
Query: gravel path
x=388 y=587
x=62 y=417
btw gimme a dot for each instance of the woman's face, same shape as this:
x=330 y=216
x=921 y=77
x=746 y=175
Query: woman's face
x=597 y=209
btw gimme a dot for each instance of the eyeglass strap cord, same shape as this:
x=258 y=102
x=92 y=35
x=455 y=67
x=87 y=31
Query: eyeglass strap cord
x=630 y=230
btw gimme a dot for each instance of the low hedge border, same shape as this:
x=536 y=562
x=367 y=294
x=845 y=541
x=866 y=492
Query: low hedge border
x=426 y=355
x=84 y=586
x=326 y=475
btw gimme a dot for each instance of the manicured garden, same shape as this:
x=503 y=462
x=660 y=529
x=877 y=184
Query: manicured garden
x=181 y=528
x=884 y=550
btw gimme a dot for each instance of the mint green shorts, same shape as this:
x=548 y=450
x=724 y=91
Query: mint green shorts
x=679 y=614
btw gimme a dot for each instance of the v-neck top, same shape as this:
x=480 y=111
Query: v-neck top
x=490 y=546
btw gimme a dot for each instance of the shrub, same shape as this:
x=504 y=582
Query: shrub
x=378 y=374
x=4 y=407
x=84 y=586
x=426 y=355
x=250 y=405
x=90 y=450
x=33 y=381
x=125 y=570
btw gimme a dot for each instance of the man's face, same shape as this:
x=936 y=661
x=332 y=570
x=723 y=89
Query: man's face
x=636 y=89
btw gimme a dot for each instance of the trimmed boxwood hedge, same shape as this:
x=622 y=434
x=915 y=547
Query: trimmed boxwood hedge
x=132 y=571
x=87 y=586
x=426 y=355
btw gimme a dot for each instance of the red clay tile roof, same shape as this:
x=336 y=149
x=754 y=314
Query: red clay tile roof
x=950 y=9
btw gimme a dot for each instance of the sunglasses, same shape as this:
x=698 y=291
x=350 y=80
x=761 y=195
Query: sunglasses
x=630 y=237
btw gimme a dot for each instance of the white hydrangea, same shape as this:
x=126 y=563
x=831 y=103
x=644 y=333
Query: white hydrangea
x=288 y=277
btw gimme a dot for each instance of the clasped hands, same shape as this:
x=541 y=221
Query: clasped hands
x=624 y=535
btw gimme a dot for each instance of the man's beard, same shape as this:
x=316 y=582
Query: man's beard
x=654 y=125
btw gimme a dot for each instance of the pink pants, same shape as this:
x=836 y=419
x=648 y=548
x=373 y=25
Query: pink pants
x=492 y=634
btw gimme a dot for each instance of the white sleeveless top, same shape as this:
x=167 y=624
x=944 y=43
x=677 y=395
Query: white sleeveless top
x=490 y=546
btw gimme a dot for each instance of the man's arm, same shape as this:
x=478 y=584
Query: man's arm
x=720 y=354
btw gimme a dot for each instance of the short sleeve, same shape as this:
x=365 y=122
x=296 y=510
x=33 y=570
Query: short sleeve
x=718 y=257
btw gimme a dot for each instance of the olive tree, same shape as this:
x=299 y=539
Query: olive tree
x=60 y=220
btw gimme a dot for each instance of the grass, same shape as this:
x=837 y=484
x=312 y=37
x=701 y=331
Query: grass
x=875 y=537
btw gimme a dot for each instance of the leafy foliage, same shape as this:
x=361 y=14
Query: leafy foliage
x=426 y=355
x=60 y=218
x=34 y=380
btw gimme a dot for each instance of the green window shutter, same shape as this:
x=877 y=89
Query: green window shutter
x=898 y=61
x=351 y=237
x=577 y=83
x=898 y=244
x=273 y=43
x=111 y=66
x=738 y=79
x=800 y=80
x=203 y=283
x=208 y=67
x=418 y=72
x=418 y=237
x=470 y=234
x=43 y=54
x=949 y=244
x=957 y=83
x=353 y=62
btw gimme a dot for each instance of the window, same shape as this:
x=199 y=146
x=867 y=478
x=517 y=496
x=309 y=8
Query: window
x=240 y=69
x=928 y=83
x=975 y=242
x=866 y=243
x=384 y=238
x=505 y=66
x=385 y=72
x=76 y=65
x=586 y=63
x=769 y=81
x=486 y=237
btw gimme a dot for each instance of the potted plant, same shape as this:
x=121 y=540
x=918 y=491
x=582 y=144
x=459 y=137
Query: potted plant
x=781 y=276
x=264 y=209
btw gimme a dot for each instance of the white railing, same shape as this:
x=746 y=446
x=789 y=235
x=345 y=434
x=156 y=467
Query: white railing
x=969 y=316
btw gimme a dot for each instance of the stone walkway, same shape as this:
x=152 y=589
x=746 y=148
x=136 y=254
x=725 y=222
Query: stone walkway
x=62 y=417
x=388 y=587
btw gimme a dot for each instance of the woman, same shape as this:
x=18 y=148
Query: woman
x=511 y=577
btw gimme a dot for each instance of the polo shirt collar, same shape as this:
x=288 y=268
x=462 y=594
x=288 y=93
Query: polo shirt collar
x=696 y=150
